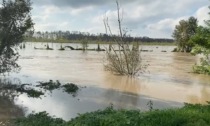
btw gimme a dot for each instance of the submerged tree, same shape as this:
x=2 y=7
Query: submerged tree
x=124 y=60
x=183 y=32
x=84 y=44
x=15 y=20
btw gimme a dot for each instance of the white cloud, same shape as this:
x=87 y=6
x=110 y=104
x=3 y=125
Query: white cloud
x=53 y=26
x=78 y=11
x=145 y=18
x=162 y=25
x=202 y=14
x=50 y=9
x=167 y=24
x=41 y=18
x=43 y=13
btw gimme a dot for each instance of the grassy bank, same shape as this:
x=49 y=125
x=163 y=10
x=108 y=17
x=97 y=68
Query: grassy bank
x=189 y=115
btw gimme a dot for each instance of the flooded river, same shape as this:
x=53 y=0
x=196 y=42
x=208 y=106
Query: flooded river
x=167 y=82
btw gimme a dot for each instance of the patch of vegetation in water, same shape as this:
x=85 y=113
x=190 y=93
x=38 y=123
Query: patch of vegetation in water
x=189 y=115
x=51 y=85
x=32 y=91
x=70 y=88
x=23 y=89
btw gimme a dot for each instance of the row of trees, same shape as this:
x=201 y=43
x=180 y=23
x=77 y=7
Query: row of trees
x=195 y=39
x=77 y=36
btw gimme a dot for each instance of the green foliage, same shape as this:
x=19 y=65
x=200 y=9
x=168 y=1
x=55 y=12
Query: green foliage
x=33 y=93
x=107 y=117
x=200 y=50
x=183 y=32
x=202 y=46
x=189 y=115
x=201 y=69
x=39 y=119
x=20 y=89
x=70 y=88
x=15 y=20
x=204 y=67
x=202 y=37
x=49 y=85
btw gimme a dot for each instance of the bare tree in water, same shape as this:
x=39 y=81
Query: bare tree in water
x=124 y=60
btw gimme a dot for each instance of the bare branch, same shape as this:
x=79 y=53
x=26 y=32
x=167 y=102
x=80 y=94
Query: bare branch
x=104 y=21
x=125 y=61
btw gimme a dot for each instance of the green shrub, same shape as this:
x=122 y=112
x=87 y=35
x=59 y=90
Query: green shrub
x=204 y=67
x=189 y=115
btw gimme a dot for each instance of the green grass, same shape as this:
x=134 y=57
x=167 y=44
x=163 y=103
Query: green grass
x=189 y=115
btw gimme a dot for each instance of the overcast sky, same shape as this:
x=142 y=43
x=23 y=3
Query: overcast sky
x=152 y=18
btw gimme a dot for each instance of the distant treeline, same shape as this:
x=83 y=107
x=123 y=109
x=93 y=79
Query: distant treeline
x=68 y=36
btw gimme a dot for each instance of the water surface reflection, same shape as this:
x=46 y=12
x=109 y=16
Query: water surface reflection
x=89 y=99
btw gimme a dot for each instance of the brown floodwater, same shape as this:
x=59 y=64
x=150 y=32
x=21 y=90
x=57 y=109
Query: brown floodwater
x=167 y=82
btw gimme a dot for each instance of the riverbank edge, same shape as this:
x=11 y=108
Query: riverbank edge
x=190 y=115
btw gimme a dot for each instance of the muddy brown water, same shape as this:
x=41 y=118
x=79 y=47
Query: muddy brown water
x=167 y=82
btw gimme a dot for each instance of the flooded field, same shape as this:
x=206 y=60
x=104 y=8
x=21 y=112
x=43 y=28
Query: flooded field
x=167 y=82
